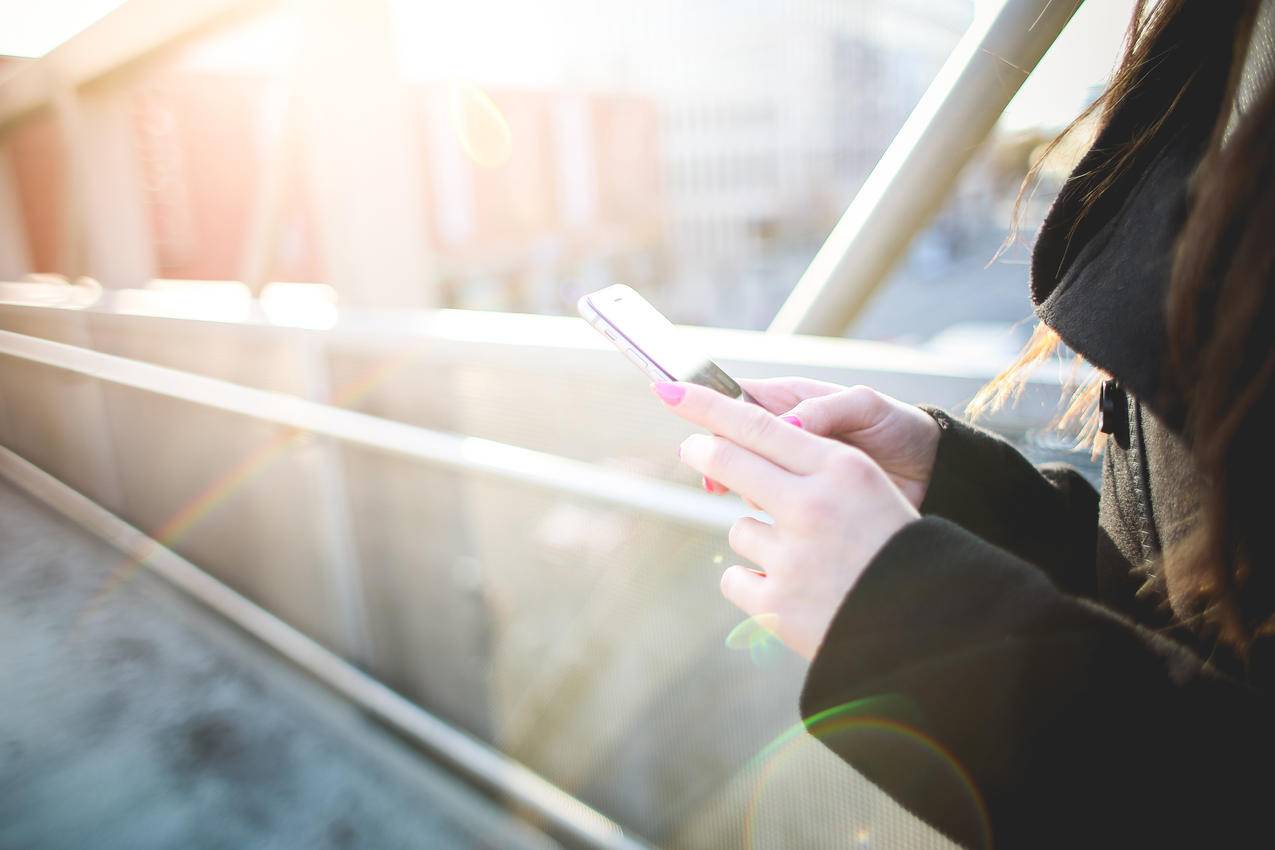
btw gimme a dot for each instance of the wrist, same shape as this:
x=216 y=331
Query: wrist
x=929 y=450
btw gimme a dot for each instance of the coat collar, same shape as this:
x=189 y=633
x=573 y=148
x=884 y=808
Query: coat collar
x=1101 y=279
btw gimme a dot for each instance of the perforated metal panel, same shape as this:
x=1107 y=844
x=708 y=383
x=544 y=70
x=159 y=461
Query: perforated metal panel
x=588 y=641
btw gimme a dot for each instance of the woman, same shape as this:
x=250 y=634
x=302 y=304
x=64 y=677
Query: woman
x=1101 y=669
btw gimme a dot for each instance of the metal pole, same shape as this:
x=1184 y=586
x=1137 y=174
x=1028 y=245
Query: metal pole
x=344 y=570
x=114 y=231
x=915 y=174
x=360 y=157
x=135 y=31
x=262 y=231
x=71 y=253
x=15 y=259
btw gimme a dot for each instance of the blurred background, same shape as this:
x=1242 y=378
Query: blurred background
x=699 y=151
x=286 y=289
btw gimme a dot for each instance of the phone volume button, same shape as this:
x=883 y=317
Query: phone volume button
x=638 y=360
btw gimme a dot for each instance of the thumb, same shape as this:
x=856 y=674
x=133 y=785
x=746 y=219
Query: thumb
x=745 y=588
x=841 y=413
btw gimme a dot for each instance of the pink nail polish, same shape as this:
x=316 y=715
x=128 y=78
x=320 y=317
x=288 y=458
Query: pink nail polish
x=792 y=420
x=670 y=394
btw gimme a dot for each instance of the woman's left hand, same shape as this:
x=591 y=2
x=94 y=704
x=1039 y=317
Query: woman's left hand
x=833 y=510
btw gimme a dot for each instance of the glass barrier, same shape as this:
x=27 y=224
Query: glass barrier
x=586 y=639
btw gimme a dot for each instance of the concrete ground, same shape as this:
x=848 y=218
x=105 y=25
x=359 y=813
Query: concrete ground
x=144 y=721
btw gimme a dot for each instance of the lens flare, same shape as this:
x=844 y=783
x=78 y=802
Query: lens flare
x=757 y=635
x=481 y=129
x=883 y=727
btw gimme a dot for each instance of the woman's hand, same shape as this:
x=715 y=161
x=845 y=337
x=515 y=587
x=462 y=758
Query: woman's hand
x=902 y=439
x=833 y=510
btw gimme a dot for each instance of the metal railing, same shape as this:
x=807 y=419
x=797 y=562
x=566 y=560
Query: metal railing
x=918 y=170
x=604 y=447
x=548 y=806
x=455 y=451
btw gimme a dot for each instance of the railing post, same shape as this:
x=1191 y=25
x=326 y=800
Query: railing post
x=917 y=171
x=262 y=232
x=343 y=568
x=116 y=246
x=15 y=259
x=364 y=172
x=71 y=253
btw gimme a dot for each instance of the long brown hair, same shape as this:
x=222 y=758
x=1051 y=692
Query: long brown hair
x=1146 y=28
x=1220 y=311
x=1221 y=314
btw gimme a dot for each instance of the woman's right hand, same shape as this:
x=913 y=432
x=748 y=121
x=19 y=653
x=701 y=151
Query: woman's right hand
x=902 y=439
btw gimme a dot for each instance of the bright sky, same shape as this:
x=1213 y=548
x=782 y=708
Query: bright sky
x=34 y=27
x=1080 y=61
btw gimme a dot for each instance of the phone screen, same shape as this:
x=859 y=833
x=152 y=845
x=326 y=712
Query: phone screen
x=650 y=340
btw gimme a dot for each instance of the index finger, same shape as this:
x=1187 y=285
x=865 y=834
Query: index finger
x=746 y=425
x=779 y=395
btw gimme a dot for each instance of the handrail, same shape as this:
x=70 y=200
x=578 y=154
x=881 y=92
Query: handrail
x=473 y=454
x=487 y=767
x=917 y=171
x=380 y=328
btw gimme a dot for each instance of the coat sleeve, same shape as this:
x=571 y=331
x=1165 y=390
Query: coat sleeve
x=1004 y=711
x=1046 y=515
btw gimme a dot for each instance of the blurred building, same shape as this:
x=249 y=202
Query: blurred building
x=774 y=114
x=496 y=210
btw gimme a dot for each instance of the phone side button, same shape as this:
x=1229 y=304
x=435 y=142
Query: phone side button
x=645 y=365
x=652 y=371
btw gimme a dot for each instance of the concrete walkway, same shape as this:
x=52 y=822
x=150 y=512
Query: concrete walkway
x=147 y=722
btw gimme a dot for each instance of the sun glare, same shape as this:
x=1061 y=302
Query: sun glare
x=1074 y=69
x=34 y=28
x=481 y=128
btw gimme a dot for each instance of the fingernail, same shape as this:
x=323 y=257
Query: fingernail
x=670 y=394
x=792 y=420
x=714 y=487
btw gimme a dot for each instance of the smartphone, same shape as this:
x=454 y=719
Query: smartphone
x=650 y=341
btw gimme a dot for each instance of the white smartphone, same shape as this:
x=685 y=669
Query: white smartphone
x=650 y=341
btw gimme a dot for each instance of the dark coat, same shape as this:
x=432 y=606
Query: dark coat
x=1009 y=667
